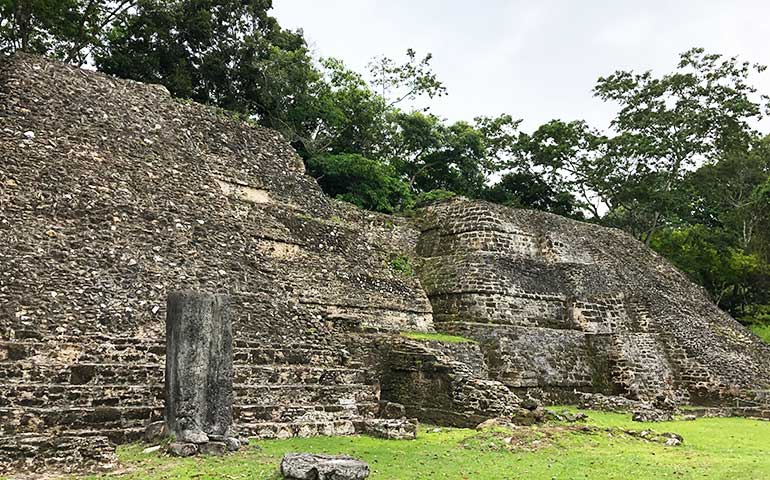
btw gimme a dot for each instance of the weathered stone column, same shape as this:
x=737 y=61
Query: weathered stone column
x=199 y=367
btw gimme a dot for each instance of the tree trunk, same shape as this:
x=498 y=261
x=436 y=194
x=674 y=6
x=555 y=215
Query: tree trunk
x=23 y=16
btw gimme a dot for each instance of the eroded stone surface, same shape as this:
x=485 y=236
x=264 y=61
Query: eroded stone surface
x=393 y=429
x=306 y=466
x=561 y=306
x=183 y=449
x=55 y=454
x=199 y=366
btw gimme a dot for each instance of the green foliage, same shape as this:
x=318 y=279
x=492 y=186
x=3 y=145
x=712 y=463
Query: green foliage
x=762 y=331
x=65 y=29
x=361 y=181
x=712 y=259
x=667 y=124
x=722 y=241
x=457 y=157
x=407 y=81
x=228 y=53
x=528 y=190
x=436 y=337
x=714 y=448
x=402 y=264
x=563 y=162
x=348 y=117
x=424 y=198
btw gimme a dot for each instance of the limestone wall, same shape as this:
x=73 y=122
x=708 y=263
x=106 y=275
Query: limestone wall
x=112 y=193
x=561 y=306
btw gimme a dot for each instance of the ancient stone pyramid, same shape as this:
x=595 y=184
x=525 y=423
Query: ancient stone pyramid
x=112 y=193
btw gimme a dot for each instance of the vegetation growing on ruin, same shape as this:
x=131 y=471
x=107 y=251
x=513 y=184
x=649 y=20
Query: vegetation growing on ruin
x=762 y=331
x=402 y=264
x=436 y=337
x=713 y=448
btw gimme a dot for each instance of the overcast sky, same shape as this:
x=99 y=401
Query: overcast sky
x=537 y=59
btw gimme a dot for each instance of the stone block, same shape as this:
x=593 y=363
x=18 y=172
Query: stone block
x=181 y=449
x=392 y=429
x=213 y=448
x=306 y=466
x=199 y=366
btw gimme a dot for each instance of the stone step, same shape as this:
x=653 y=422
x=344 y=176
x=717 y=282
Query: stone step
x=123 y=424
x=91 y=396
x=298 y=374
x=277 y=430
x=58 y=453
x=292 y=412
x=79 y=396
x=25 y=372
x=141 y=351
x=81 y=373
x=63 y=351
x=317 y=357
x=305 y=394
x=48 y=420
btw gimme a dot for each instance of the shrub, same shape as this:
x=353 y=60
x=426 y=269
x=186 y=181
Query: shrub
x=361 y=181
x=403 y=264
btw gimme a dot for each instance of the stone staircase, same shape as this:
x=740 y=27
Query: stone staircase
x=113 y=387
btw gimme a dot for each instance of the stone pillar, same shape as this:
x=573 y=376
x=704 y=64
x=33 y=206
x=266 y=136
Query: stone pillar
x=199 y=367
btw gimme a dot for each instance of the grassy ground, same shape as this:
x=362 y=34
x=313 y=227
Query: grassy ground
x=717 y=448
x=439 y=337
x=762 y=331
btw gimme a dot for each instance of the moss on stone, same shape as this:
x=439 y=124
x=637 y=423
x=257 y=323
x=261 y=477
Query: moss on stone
x=436 y=337
x=402 y=264
x=762 y=331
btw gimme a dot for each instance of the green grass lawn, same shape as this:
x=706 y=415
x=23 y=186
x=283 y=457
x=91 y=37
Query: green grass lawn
x=716 y=448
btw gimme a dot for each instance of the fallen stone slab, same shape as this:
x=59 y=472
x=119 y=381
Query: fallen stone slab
x=665 y=438
x=391 y=410
x=308 y=466
x=607 y=403
x=180 y=449
x=392 y=429
x=213 y=448
x=155 y=432
x=565 y=416
x=648 y=414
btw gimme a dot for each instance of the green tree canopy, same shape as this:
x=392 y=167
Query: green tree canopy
x=361 y=181
x=667 y=124
x=65 y=29
x=228 y=53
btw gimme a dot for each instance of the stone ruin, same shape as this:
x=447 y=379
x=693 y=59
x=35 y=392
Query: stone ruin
x=113 y=194
x=198 y=411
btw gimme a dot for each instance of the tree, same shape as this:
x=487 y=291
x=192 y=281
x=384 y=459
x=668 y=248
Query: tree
x=407 y=81
x=65 y=29
x=668 y=124
x=349 y=116
x=352 y=115
x=361 y=181
x=529 y=190
x=458 y=157
x=721 y=241
x=228 y=53
x=570 y=158
x=736 y=280
x=727 y=192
